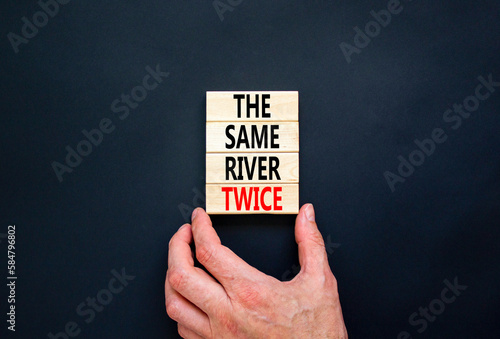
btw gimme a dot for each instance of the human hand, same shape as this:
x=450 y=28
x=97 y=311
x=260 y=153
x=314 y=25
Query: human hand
x=244 y=302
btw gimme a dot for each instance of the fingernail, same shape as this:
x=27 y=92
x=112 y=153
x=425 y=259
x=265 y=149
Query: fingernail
x=180 y=228
x=310 y=213
x=194 y=214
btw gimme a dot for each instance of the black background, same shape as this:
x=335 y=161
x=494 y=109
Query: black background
x=119 y=208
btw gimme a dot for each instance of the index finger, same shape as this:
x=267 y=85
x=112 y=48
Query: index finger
x=228 y=268
x=183 y=277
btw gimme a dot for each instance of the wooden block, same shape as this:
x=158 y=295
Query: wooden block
x=278 y=106
x=242 y=168
x=235 y=137
x=252 y=159
x=252 y=199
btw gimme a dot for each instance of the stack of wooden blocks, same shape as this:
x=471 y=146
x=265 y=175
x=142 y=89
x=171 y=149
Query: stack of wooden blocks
x=252 y=159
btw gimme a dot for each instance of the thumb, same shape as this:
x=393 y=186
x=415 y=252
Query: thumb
x=312 y=253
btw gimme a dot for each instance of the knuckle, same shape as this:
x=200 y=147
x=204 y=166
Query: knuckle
x=205 y=254
x=177 y=279
x=321 y=278
x=250 y=296
x=171 y=242
x=330 y=277
x=182 y=331
x=330 y=286
x=173 y=308
x=227 y=323
x=317 y=239
x=331 y=283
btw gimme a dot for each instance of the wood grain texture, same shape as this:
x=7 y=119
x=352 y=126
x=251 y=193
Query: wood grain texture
x=288 y=137
x=216 y=199
x=286 y=165
x=284 y=106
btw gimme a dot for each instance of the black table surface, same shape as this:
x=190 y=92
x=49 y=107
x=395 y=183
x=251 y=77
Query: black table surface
x=364 y=100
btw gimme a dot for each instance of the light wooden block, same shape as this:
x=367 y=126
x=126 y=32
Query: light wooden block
x=217 y=137
x=222 y=202
x=283 y=106
x=222 y=168
x=252 y=159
